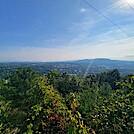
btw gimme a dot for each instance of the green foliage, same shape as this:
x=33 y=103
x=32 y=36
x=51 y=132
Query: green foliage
x=48 y=115
x=66 y=104
x=76 y=125
x=64 y=82
x=22 y=90
x=110 y=77
x=90 y=97
x=53 y=116
x=3 y=114
x=114 y=114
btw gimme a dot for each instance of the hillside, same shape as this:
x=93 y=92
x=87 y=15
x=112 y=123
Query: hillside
x=78 y=67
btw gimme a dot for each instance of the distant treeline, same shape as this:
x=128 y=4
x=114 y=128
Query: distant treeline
x=73 y=67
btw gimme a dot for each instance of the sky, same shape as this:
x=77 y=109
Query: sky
x=58 y=30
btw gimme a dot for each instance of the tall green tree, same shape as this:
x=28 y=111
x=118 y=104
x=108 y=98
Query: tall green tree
x=22 y=91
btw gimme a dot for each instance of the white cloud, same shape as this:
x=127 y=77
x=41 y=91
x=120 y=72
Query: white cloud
x=129 y=3
x=124 y=7
x=117 y=7
x=38 y=54
x=82 y=30
x=82 y=26
x=83 y=10
x=122 y=49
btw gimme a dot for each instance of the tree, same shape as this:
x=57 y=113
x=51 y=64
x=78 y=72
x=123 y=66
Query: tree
x=22 y=91
x=23 y=84
x=114 y=114
x=53 y=116
x=48 y=115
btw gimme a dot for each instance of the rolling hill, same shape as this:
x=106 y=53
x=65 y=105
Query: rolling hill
x=78 y=67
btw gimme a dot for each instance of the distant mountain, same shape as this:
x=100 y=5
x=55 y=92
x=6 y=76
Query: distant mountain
x=78 y=67
x=110 y=63
x=102 y=64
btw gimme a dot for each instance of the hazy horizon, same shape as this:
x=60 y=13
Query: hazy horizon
x=34 y=61
x=62 y=30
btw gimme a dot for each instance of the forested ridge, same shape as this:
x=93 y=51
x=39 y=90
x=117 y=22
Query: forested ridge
x=63 y=103
x=78 y=67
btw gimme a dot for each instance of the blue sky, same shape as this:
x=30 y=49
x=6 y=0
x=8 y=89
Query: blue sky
x=54 y=30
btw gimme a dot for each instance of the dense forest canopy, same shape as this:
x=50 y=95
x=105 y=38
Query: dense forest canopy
x=62 y=103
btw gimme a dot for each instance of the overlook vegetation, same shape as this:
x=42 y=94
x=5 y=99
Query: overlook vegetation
x=62 y=103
